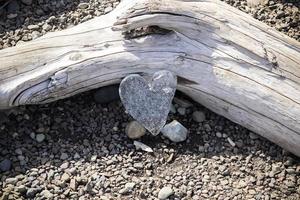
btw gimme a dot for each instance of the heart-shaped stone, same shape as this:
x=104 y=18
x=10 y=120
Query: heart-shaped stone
x=149 y=102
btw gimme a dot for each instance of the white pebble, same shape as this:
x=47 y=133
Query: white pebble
x=231 y=142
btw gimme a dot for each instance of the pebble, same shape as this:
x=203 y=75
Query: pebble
x=198 y=116
x=138 y=165
x=47 y=194
x=139 y=145
x=65 y=165
x=219 y=135
x=65 y=177
x=18 y=151
x=135 y=130
x=21 y=189
x=40 y=137
x=5 y=165
x=76 y=156
x=31 y=192
x=73 y=184
x=107 y=10
x=93 y=158
x=181 y=111
x=231 y=142
x=33 y=27
x=32 y=135
x=83 y=5
x=165 y=193
x=127 y=188
x=47 y=27
x=27 y=2
x=64 y=156
x=175 y=131
x=11 y=181
x=253 y=136
x=13 y=7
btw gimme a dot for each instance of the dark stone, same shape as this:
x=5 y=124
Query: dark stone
x=149 y=102
x=5 y=165
x=13 y=7
x=107 y=94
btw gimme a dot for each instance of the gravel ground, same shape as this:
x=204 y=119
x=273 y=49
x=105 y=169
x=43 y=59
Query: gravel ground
x=78 y=149
x=86 y=154
x=284 y=15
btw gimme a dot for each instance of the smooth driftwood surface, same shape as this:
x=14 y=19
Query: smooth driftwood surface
x=226 y=60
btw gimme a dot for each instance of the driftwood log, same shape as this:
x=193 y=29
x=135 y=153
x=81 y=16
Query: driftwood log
x=226 y=60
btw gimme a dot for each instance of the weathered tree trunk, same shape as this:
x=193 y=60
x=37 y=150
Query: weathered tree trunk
x=226 y=60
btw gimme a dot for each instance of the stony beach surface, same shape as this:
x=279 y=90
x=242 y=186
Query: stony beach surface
x=77 y=148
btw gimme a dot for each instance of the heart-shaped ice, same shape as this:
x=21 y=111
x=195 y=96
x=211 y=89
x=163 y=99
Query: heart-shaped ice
x=149 y=102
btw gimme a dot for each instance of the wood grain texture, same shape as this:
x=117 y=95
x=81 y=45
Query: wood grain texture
x=231 y=63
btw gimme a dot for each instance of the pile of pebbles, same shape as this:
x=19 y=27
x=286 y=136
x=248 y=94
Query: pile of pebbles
x=85 y=153
x=284 y=15
x=24 y=20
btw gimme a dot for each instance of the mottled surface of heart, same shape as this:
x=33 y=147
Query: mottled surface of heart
x=149 y=102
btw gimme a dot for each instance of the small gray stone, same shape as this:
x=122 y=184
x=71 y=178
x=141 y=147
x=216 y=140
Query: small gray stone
x=138 y=165
x=149 y=102
x=108 y=9
x=33 y=27
x=65 y=177
x=127 y=188
x=21 y=189
x=13 y=6
x=31 y=192
x=231 y=142
x=47 y=27
x=93 y=158
x=253 y=136
x=64 y=156
x=83 y=5
x=32 y=135
x=175 y=131
x=181 y=111
x=27 y=2
x=73 y=184
x=142 y=146
x=135 y=130
x=47 y=194
x=12 y=15
x=165 y=192
x=18 y=151
x=198 y=116
x=76 y=156
x=65 y=165
x=12 y=181
x=5 y=165
x=219 y=135
x=40 y=137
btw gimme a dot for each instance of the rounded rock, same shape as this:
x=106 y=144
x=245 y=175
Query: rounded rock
x=40 y=138
x=175 y=131
x=198 y=116
x=135 y=130
x=165 y=192
x=5 y=165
